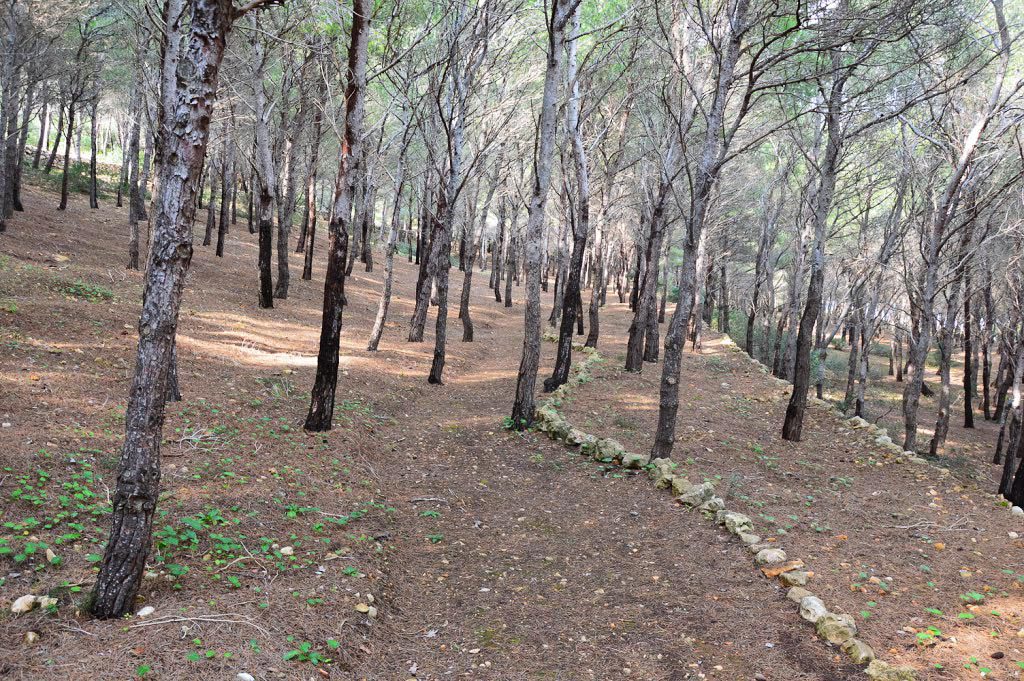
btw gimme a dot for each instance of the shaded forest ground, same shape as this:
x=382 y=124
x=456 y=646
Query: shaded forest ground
x=477 y=552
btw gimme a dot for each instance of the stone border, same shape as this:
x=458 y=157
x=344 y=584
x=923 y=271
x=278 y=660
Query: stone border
x=836 y=628
x=881 y=435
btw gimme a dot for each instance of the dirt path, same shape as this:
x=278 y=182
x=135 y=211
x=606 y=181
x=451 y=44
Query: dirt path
x=546 y=566
x=537 y=564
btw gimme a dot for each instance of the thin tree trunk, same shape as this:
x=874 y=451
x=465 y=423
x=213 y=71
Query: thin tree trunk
x=571 y=307
x=44 y=132
x=67 y=157
x=321 y=408
x=56 y=139
x=523 y=406
x=132 y=157
x=94 y=199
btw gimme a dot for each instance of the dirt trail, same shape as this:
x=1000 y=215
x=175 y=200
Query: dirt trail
x=537 y=564
x=550 y=567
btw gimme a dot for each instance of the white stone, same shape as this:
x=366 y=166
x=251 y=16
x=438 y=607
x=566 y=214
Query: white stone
x=287 y=551
x=242 y=676
x=812 y=609
x=145 y=612
x=1017 y=510
x=769 y=556
x=23 y=604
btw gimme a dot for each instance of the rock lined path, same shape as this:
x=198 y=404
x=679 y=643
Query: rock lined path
x=544 y=567
x=508 y=556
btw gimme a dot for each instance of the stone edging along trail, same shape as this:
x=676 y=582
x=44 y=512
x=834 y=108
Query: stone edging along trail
x=836 y=628
x=880 y=435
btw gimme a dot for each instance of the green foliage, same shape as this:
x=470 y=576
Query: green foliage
x=94 y=293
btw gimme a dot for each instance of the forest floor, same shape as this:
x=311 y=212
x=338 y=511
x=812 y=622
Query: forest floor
x=477 y=552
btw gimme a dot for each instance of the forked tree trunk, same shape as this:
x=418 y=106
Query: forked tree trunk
x=571 y=307
x=708 y=166
x=793 y=424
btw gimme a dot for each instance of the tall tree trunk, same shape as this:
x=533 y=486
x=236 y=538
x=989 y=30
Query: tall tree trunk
x=311 y=213
x=822 y=205
x=132 y=158
x=708 y=166
x=138 y=479
x=267 y=177
x=943 y=213
x=645 y=291
x=986 y=343
x=523 y=406
x=94 y=199
x=44 y=132
x=389 y=251
x=211 y=207
x=56 y=139
x=571 y=308
x=227 y=190
x=321 y=408
x=22 y=142
x=970 y=353
x=67 y=157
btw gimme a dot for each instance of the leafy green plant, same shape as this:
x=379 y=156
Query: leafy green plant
x=304 y=652
x=94 y=293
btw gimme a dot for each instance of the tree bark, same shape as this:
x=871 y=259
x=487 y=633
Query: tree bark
x=94 y=199
x=321 y=408
x=822 y=204
x=138 y=480
x=523 y=406
x=571 y=308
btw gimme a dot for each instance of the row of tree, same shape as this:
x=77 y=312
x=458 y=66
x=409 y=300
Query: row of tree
x=799 y=174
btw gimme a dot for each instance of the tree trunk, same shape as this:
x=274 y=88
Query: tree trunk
x=311 y=213
x=56 y=139
x=44 y=132
x=523 y=406
x=227 y=190
x=211 y=207
x=389 y=252
x=138 y=479
x=793 y=424
x=94 y=199
x=267 y=177
x=132 y=157
x=20 y=153
x=67 y=157
x=321 y=408
x=645 y=286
